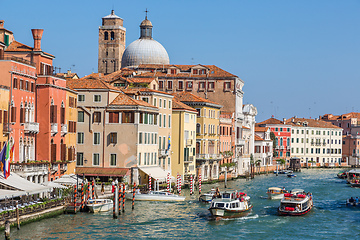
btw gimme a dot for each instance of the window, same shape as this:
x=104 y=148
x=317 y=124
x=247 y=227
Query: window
x=112 y=37
x=169 y=104
x=53 y=114
x=169 y=121
x=113 y=137
x=140 y=138
x=227 y=86
x=72 y=126
x=186 y=117
x=97 y=98
x=189 y=85
x=15 y=84
x=169 y=85
x=32 y=87
x=211 y=86
x=180 y=85
x=81 y=116
x=160 y=120
x=80 y=159
x=201 y=86
x=97 y=117
x=96 y=138
x=106 y=36
x=112 y=159
x=127 y=117
x=80 y=138
x=154 y=102
x=113 y=117
x=81 y=98
x=164 y=103
x=164 y=122
x=72 y=102
x=161 y=84
x=96 y=159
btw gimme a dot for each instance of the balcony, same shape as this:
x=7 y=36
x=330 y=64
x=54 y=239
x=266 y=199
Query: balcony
x=163 y=153
x=288 y=147
x=277 y=147
x=189 y=160
x=54 y=129
x=31 y=127
x=7 y=128
x=39 y=168
x=64 y=129
x=240 y=142
x=63 y=167
x=208 y=156
x=282 y=147
x=189 y=142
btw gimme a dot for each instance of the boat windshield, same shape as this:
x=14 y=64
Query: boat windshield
x=226 y=195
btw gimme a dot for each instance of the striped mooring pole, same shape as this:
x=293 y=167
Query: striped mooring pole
x=199 y=183
x=133 y=200
x=179 y=184
x=114 y=204
x=82 y=195
x=149 y=183
x=191 y=184
x=93 y=188
x=168 y=182
x=123 y=207
x=119 y=198
x=75 y=193
x=88 y=193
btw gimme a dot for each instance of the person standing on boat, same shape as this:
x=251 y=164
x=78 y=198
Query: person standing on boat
x=102 y=188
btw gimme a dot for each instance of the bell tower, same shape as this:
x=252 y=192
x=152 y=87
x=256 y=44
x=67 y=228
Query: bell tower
x=111 y=43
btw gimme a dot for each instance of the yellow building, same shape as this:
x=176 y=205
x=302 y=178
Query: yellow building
x=4 y=106
x=184 y=140
x=207 y=134
x=69 y=128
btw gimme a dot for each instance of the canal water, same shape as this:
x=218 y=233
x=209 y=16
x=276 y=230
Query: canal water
x=330 y=218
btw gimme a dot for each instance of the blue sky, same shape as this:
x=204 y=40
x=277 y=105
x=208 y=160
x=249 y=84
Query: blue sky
x=297 y=58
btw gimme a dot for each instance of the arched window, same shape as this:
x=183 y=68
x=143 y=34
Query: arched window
x=106 y=36
x=112 y=36
x=281 y=141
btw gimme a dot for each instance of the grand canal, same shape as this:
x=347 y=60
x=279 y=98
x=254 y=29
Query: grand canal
x=330 y=218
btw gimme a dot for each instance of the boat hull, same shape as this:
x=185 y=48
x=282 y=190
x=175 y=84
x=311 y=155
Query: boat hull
x=149 y=197
x=291 y=213
x=205 y=198
x=275 y=196
x=226 y=213
x=101 y=207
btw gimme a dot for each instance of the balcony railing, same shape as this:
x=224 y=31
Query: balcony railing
x=288 y=147
x=189 y=142
x=208 y=156
x=54 y=129
x=163 y=153
x=64 y=129
x=29 y=168
x=189 y=160
x=240 y=142
x=7 y=128
x=31 y=127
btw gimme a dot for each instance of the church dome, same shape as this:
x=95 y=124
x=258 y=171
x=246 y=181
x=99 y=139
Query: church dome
x=145 y=50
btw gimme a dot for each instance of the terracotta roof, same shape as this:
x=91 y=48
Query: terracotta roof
x=261 y=129
x=271 y=121
x=88 y=84
x=15 y=46
x=185 y=70
x=189 y=97
x=310 y=123
x=98 y=171
x=243 y=127
x=257 y=138
x=341 y=117
x=153 y=90
x=140 y=80
x=123 y=73
x=123 y=99
x=131 y=91
x=179 y=105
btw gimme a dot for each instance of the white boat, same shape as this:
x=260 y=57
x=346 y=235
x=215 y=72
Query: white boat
x=296 y=203
x=99 y=205
x=230 y=205
x=275 y=193
x=155 y=196
x=207 y=197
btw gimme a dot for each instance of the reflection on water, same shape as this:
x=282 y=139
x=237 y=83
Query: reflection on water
x=191 y=219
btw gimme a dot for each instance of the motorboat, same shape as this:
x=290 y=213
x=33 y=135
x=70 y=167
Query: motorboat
x=355 y=183
x=275 y=193
x=296 y=203
x=353 y=202
x=155 y=196
x=230 y=205
x=291 y=175
x=99 y=205
x=207 y=197
x=283 y=171
x=342 y=175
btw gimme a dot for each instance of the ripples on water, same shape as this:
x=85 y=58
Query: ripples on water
x=330 y=218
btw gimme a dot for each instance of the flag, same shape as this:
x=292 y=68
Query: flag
x=3 y=159
x=9 y=156
x=168 y=147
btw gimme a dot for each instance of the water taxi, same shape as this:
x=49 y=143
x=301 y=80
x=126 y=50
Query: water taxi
x=231 y=205
x=207 y=197
x=355 y=183
x=296 y=203
x=155 y=196
x=99 y=205
x=275 y=193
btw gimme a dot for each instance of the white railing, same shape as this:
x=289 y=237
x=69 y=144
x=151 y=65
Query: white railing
x=64 y=129
x=31 y=127
x=54 y=128
x=163 y=153
x=240 y=142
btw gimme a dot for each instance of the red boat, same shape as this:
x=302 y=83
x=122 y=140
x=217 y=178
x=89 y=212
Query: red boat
x=296 y=203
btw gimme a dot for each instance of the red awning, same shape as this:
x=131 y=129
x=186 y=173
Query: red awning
x=106 y=172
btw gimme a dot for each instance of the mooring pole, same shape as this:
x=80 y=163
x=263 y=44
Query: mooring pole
x=82 y=195
x=7 y=230
x=119 y=198
x=123 y=207
x=225 y=176
x=199 y=183
x=75 y=193
x=93 y=188
x=115 y=212
x=133 y=199
x=17 y=215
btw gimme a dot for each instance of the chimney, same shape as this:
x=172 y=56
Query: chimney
x=37 y=35
x=1 y=23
